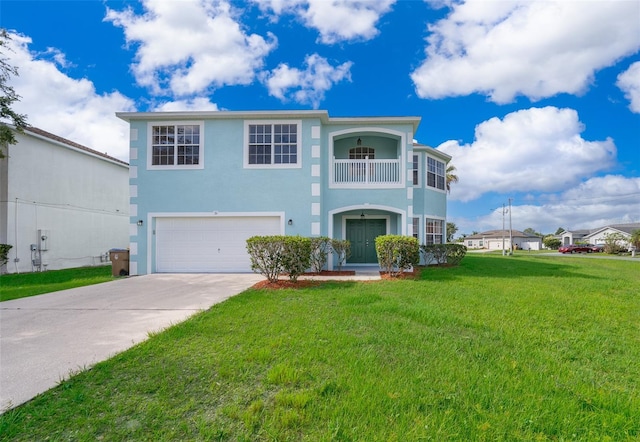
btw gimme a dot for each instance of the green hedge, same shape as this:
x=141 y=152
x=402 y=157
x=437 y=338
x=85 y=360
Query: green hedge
x=441 y=254
x=397 y=253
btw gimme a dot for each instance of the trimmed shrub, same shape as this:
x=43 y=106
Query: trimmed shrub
x=296 y=256
x=266 y=255
x=4 y=253
x=320 y=247
x=615 y=243
x=397 y=253
x=341 y=249
x=451 y=254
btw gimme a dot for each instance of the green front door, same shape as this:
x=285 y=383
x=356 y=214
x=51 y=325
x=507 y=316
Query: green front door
x=362 y=234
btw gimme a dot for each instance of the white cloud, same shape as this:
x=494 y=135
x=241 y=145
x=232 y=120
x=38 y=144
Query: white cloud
x=335 y=20
x=629 y=83
x=533 y=48
x=308 y=86
x=597 y=202
x=190 y=46
x=67 y=107
x=194 y=104
x=532 y=150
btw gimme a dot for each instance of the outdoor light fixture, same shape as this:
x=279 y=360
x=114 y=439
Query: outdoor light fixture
x=290 y=222
x=362 y=214
x=359 y=142
x=140 y=223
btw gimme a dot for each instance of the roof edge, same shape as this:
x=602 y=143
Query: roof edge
x=43 y=134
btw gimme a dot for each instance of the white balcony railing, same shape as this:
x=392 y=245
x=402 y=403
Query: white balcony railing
x=366 y=171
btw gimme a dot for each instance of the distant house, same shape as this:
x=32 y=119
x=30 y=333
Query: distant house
x=500 y=240
x=598 y=236
x=62 y=204
x=204 y=182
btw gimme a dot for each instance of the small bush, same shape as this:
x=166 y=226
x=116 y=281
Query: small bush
x=615 y=243
x=4 y=253
x=443 y=253
x=296 y=256
x=266 y=254
x=552 y=243
x=341 y=249
x=397 y=253
x=320 y=247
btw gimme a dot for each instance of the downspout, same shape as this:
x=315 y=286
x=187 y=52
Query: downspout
x=15 y=233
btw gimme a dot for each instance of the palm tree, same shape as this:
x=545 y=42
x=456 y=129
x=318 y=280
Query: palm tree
x=451 y=177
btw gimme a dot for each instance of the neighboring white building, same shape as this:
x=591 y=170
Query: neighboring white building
x=598 y=236
x=501 y=240
x=62 y=205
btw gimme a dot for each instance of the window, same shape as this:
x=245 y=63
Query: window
x=177 y=145
x=416 y=171
x=434 y=231
x=361 y=153
x=273 y=144
x=416 y=227
x=435 y=173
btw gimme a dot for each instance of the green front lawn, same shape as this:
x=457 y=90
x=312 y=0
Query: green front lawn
x=21 y=285
x=501 y=348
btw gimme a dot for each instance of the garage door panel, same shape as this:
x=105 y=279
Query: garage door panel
x=208 y=244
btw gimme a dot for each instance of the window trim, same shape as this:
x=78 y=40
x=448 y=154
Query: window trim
x=151 y=166
x=427 y=218
x=245 y=145
x=415 y=224
x=415 y=171
x=426 y=174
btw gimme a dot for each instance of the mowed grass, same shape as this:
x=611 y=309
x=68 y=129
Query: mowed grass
x=22 y=285
x=499 y=349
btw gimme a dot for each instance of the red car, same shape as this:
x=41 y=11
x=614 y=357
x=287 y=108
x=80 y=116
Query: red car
x=580 y=248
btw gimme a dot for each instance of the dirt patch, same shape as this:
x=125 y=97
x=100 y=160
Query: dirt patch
x=415 y=274
x=332 y=273
x=285 y=284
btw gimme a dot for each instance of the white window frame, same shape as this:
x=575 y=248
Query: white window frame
x=245 y=143
x=444 y=228
x=415 y=223
x=426 y=174
x=415 y=173
x=175 y=166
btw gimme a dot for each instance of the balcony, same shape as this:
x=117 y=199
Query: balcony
x=367 y=173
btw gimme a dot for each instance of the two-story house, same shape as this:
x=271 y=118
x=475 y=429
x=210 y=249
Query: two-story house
x=201 y=183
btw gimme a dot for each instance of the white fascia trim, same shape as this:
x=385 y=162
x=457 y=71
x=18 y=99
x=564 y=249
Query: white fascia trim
x=434 y=152
x=223 y=115
x=245 y=145
x=198 y=166
x=151 y=216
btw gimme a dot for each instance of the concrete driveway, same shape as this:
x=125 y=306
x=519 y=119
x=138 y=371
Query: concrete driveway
x=44 y=339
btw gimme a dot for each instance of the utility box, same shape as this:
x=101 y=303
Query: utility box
x=119 y=262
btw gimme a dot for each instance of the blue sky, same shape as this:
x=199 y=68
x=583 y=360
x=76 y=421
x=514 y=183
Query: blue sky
x=537 y=101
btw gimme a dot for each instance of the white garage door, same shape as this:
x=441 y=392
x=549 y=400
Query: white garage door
x=201 y=245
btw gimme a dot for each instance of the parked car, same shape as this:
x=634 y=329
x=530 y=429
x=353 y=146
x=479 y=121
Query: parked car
x=580 y=248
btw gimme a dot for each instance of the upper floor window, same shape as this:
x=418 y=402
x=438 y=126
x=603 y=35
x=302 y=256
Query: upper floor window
x=270 y=144
x=416 y=170
x=434 y=231
x=435 y=173
x=176 y=146
x=361 y=153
